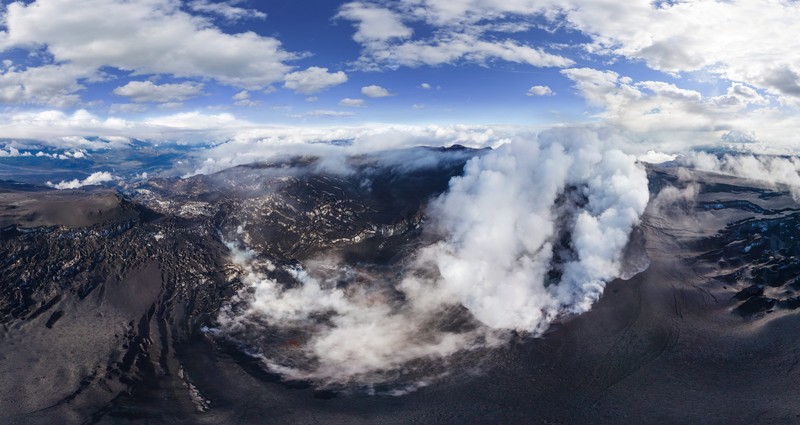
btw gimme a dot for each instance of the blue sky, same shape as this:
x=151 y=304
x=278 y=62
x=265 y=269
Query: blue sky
x=707 y=68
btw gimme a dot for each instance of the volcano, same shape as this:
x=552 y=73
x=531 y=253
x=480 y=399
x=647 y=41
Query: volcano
x=125 y=306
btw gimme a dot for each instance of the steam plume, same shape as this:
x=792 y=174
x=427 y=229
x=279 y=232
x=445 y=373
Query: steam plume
x=531 y=231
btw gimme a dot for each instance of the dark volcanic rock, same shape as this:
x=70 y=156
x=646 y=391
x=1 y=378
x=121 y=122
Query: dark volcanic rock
x=756 y=305
x=109 y=288
x=750 y=291
x=104 y=301
x=790 y=303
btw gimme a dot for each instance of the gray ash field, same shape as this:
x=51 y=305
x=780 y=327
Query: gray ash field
x=111 y=304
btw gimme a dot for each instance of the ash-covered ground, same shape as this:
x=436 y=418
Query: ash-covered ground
x=157 y=303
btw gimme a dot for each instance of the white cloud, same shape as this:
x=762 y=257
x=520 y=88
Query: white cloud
x=56 y=121
x=745 y=41
x=226 y=10
x=57 y=128
x=243 y=99
x=312 y=99
x=425 y=86
x=374 y=23
x=313 y=79
x=83 y=144
x=94 y=179
x=147 y=91
x=54 y=85
x=449 y=49
x=12 y=152
x=663 y=112
x=653 y=157
x=170 y=105
x=539 y=91
x=387 y=42
x=352 y=102
x=239 y=141
x=195 y=121
x=67 y=155
x=142 y=37
x=261 y=144
x=375 y=91
x=242 y=95
x=323 y=113
x=470 y=12
x=749 y=41
x=126 y=108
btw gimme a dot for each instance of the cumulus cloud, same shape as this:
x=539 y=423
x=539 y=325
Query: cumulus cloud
x=499 y=255
x=744 y=41
x=661 y=110
x=374 y=23
x=54 y=85
x=55 y=127
x=94 y=179
x=539 y=91
x=375 y=91
x=425 y=86
x=147 y=91
x=243 y=99
x=66 y=155
x=12 y=152
x=313 y=80
x=693 y=36
x=144 y=37
x=51 y=124
x=352 y=102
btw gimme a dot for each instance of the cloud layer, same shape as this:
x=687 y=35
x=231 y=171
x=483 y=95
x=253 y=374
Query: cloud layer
x=94 y=179
x=143 y=37
x=720 y=71
x=147 y=91
x=313 y=80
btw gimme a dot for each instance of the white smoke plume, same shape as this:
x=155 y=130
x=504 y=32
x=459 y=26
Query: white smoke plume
x=773 y=170
x=671 y=199
x=530 y=232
